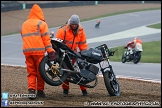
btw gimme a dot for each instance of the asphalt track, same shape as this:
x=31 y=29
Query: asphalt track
x=113 y=31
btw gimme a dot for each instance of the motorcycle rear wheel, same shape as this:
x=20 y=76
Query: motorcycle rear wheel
x=48 y=76
x=111 y=83
x=137 y=58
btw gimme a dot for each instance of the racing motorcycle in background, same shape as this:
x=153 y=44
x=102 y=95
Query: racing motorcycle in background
x=83 y=71
x=97 y=24
x=131 y=55
x=52 y=34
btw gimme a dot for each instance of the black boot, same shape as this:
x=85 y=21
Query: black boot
x=32 y=94
x=65 y=92
x=40 y=93
x=84 y=93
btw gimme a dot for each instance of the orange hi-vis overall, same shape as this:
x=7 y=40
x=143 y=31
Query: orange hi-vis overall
x=36 y=41
x=74 y=41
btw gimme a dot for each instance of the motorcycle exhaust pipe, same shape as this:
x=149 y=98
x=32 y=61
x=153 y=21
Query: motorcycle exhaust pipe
x=70 y=71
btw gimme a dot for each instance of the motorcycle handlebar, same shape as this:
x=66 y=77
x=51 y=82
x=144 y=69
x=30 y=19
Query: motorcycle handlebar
x=112 y=52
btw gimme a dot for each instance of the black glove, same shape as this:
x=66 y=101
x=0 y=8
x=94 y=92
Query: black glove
x=52 y=55
x=111 y=53
x=125 y=47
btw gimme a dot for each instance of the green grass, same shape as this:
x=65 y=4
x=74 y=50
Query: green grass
x=151 y=53
x=157 y=26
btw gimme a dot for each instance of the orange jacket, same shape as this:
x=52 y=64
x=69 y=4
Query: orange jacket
x=35 y=35
x=137 y=41
x=73 y=41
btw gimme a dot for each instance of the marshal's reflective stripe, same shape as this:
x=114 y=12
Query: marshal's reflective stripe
x=32 y=34
x=46 y=33
x=70 y=42
x=49 y=46
x=65 y=41
x=81 y=42
x=33 y=49
x=40 y=22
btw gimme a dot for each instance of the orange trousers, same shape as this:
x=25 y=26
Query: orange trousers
x=65 y=85
x=35 y=80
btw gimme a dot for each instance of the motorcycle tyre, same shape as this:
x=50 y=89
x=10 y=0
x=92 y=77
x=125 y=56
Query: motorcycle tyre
x=46 y=78
x=109 y=86
x=97 y=26
x=123 y=59
x=136 y=61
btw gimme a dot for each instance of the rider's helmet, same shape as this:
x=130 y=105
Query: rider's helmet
x=74 y=19
x=98 y=21
x=135 y=38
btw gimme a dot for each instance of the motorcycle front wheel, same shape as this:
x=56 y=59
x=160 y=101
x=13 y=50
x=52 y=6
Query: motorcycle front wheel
x=111 y=83
x=96 y=25
x=124 y=58
x=53 y=78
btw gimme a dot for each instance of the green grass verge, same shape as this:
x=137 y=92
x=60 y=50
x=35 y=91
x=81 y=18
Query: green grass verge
x=157 y=26
x=151 y=52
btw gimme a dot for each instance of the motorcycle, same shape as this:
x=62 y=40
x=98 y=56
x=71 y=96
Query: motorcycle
x=83 y=71
x=97 y=24
x=131 y=55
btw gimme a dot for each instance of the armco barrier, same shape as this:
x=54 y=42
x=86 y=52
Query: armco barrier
x=14 y=5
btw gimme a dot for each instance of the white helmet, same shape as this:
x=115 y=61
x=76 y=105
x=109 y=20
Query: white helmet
x=135 y=38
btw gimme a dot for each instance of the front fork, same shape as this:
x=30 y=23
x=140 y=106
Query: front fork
x=111 y=75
